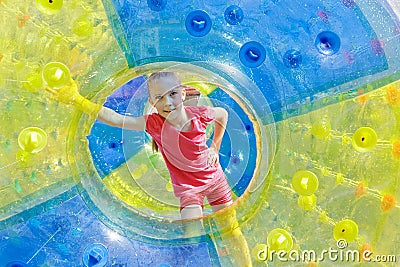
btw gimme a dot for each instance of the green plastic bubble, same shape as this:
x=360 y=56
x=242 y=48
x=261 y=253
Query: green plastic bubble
x=364 y=139
x=56 y=75
x=49 y=7
x=305 y=182
x=345 y=230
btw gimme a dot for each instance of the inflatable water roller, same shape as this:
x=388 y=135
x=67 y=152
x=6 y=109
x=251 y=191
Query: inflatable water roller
x=311 y=150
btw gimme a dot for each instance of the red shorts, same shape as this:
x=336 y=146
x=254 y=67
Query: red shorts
x=218 y=193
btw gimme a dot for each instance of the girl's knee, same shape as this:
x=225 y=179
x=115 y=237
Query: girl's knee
x=192 y=225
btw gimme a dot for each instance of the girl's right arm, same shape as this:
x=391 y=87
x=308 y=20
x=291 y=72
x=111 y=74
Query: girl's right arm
x=112 y=118
x=69 y=94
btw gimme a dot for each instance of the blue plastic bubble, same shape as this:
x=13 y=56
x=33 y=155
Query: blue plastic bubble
x=16 y=264
x=198 y=23
x=327 y=43
x=292 y=58
x=156 y=5
x=95 y=254
x=252 y=54
x=233 y=15
x=349 y=3
x=235 y=159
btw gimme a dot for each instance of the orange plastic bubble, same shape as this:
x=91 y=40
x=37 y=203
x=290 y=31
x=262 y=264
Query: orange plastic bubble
x=365 y=252
x=388 y=202
x=396 y=150
x=360 y=190
x=393 y=95
x=362 y=99
x=23 y=19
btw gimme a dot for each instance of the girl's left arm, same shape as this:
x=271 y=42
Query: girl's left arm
x=221 y=118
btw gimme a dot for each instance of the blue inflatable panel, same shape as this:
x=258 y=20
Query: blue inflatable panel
x=238 y=150
x=110 y=146
x=69 y=229
x=328 y=52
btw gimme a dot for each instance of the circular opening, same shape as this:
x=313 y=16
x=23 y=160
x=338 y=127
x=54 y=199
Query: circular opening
x=49 y=7
x=16 y=264
x=364 y=139
x=198 y=23
x=252 y=54
x=135 y=196
x=327 y=43
x=95 y=255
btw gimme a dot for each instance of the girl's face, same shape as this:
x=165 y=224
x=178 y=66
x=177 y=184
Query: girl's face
x=167 y=96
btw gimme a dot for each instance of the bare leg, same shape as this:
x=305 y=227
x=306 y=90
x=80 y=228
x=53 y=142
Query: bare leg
x=192 y=228
x=232 y=235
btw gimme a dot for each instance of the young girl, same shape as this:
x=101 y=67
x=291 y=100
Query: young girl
x=179 y=133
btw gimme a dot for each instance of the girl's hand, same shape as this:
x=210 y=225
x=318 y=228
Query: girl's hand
x=69 y=94
x=213 y=158
x=66 y=94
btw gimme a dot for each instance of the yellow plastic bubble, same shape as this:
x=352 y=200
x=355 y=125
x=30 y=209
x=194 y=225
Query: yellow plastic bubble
x=307 y=202
x=323 y=216
x=169 y=187
x=33 y=82
x=83 y=26
x=339 y=178
x=24 y=159
x=260 y=252
x=345 y=230
x=321 y=129
x=305 y=182
x=143 y=168
x=279 y=239
x=364 y=139
x=56 y=75
x=49 y=7
x=32 y=139
x=136 y=174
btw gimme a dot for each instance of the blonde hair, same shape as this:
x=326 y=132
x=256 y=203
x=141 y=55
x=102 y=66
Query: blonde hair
x=155 y=77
